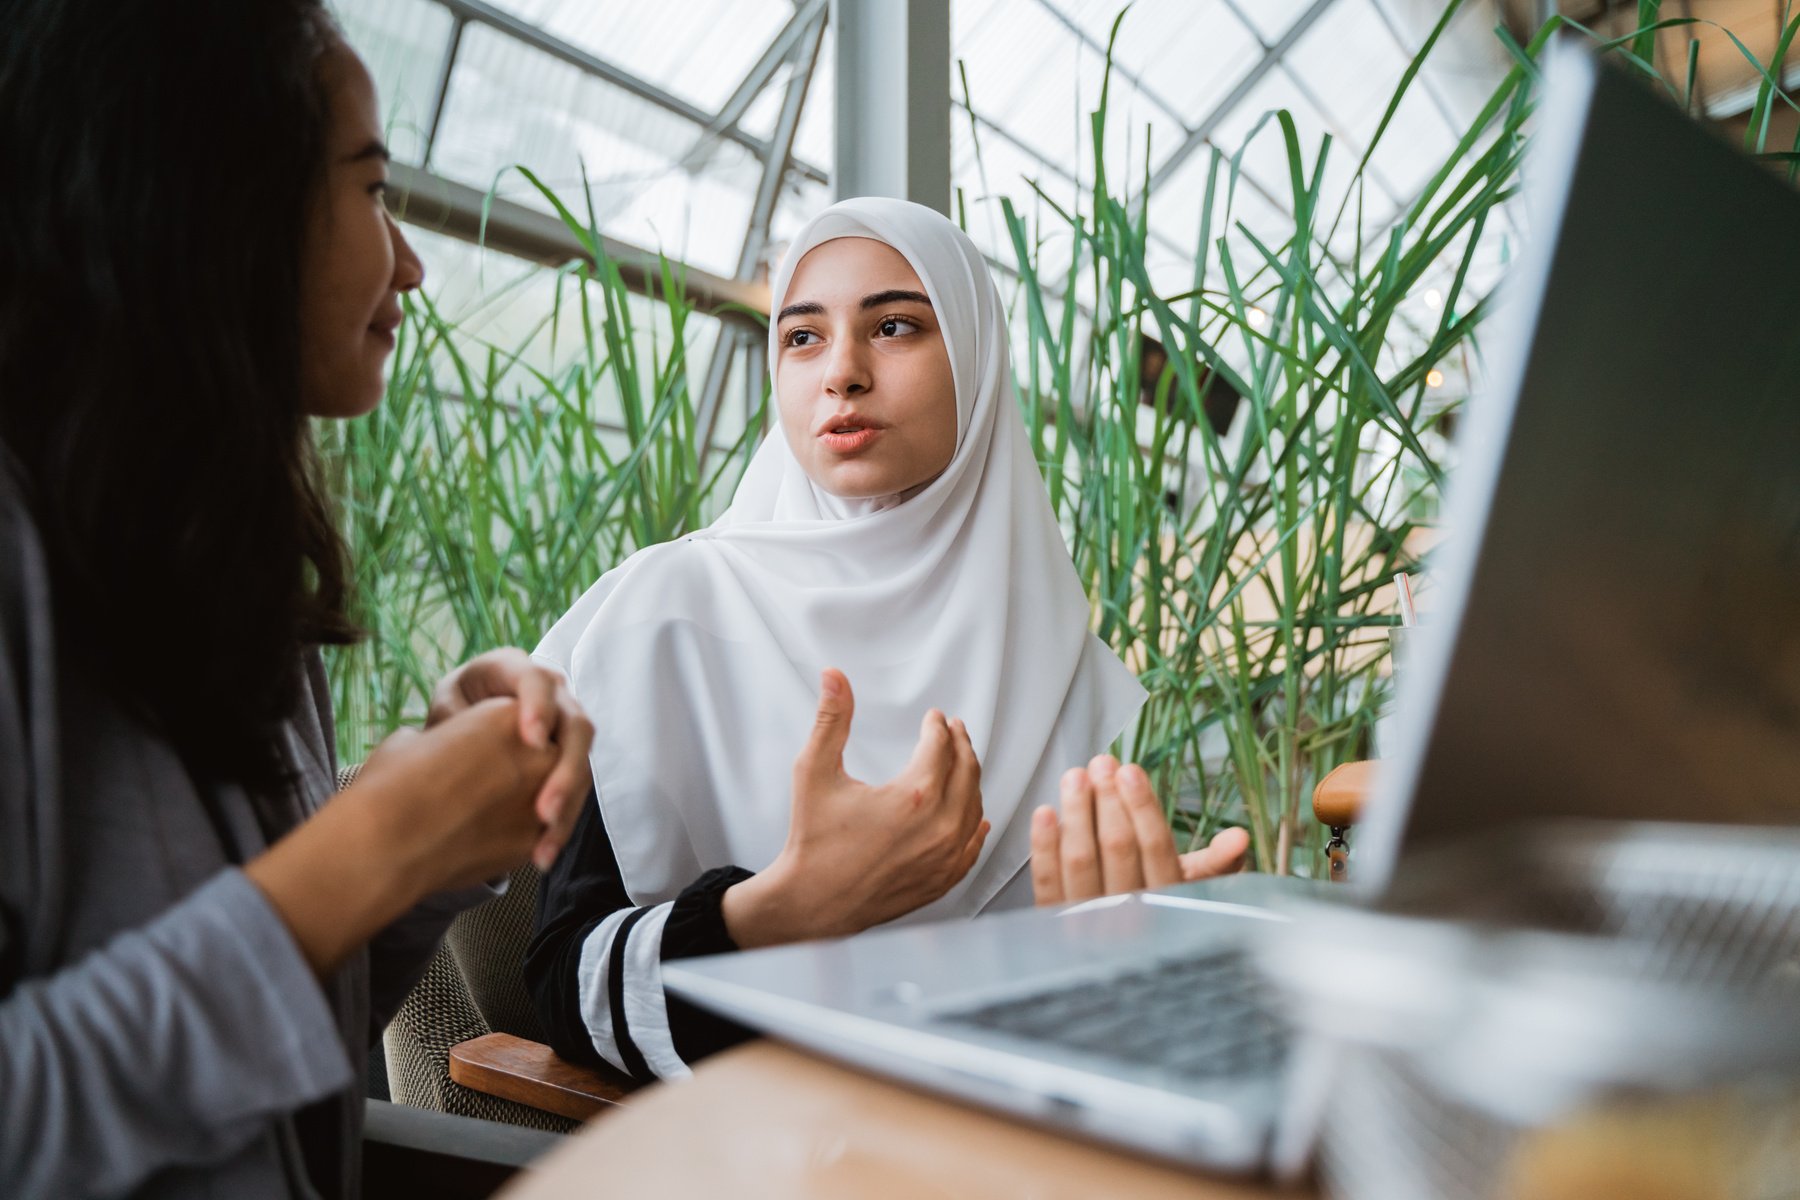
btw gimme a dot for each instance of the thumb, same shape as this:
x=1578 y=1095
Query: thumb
x=1226 y=854
x=822 y=759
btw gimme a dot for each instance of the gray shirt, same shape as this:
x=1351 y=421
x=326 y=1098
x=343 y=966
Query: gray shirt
x=160 y=1033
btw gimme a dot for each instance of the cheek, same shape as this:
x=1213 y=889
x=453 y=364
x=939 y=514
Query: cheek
x=792 y=405
x=943 y=416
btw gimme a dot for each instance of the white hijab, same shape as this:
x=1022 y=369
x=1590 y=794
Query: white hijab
x=699 y=660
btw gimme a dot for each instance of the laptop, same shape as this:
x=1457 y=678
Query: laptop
x=1620 y=600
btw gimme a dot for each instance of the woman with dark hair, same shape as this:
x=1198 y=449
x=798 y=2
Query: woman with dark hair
x=195 y=948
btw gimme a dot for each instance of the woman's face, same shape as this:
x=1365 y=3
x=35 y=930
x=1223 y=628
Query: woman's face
x=356 y=262
x=862 y=377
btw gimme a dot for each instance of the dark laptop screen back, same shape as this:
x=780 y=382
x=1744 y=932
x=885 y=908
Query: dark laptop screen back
x=1623 y=568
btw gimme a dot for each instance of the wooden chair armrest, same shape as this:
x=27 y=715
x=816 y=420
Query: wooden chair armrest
x=1338 y=800
x=499 y=1064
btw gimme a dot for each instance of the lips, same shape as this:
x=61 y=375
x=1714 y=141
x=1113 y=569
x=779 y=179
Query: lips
x=383 y=326
x=847 y=433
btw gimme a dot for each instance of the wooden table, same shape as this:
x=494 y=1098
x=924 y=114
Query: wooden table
x=768 y=1121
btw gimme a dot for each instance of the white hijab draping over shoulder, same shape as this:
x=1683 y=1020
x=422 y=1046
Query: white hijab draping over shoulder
x=699 y=660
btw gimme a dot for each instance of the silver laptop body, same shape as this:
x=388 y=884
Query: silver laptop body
x=1623 y=587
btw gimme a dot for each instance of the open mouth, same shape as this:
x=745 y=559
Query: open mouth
x=846 y=435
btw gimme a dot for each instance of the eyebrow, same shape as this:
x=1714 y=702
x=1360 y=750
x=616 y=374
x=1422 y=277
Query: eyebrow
x=812 y=308
x=374 y=148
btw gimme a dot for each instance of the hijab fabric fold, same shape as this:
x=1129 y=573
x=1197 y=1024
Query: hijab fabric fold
x=699 y=660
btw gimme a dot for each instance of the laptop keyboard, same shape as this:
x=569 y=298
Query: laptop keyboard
x=1201 y=1017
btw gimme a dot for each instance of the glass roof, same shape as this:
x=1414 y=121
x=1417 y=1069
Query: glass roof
x=666 y=113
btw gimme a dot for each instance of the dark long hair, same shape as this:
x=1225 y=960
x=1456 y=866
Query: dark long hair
x=160 y=160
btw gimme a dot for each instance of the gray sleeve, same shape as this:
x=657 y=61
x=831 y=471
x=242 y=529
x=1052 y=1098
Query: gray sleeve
x=175 y=1043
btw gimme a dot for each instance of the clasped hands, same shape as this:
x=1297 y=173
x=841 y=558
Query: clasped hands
x=501 y=765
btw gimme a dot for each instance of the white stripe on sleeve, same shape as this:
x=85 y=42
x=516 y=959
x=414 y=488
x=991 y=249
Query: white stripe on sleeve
x=592 y=982
x=646 y=1006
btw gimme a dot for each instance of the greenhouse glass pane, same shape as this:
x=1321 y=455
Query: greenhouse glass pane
x=403 y=43
x=511 y=105
x=1352 y=64
x=1186 y=53
x=1272 y=18
x=696 y=49
x=1176 y=206
x=1033 y=77
x=1265 y=155
x=503 y=305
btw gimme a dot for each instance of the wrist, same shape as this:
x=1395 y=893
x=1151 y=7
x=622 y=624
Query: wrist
x=332 y=882
x=393 y=852
x=760 y=911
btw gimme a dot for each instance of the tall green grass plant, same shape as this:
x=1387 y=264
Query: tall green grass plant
x=1245 y=576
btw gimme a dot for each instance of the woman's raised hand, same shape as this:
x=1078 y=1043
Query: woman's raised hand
x=859 y=854
x=1113 y=837
x=548 y=716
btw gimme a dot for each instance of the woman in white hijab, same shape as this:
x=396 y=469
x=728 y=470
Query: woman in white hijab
x=896 y=537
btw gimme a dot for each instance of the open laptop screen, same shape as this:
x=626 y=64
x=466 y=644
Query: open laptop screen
x=1623 y=568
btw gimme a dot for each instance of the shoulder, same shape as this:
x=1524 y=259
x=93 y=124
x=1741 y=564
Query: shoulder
x=651 y=586
x=662 y=562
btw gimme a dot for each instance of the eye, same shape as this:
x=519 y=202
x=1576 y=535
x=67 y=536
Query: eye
x=799 y=337
x=896 y=327
x=382 y=190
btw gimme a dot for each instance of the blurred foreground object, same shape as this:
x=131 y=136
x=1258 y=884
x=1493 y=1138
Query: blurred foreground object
x=1589 y=1010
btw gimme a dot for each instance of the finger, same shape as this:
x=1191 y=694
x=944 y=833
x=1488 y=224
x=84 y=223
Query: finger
x=1226 y=854
x=509 y=671
x=446 y=698
x=965 y=776
x=1121 y=869
x=821 y=760
x=933 y=756
x=1156 y=845
x=1046 y=865
x=572 y=738
x=1080 y=859
x=559 y=823
x=971 y=851
x=559 y=801
x=540 y=710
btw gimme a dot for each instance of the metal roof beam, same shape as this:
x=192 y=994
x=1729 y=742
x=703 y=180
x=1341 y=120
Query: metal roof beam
x=529 y=34
x=445 y=206
x=892 y=135
x=781 y=48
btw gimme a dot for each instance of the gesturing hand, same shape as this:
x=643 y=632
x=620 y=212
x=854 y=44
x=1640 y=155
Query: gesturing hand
x=859 y=854
x=548 y=716
x=1113 y=838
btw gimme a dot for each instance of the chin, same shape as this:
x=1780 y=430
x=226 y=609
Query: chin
x=346 y=401
x=860 y=489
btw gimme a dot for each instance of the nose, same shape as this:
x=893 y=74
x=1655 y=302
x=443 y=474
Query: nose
x=409 y=272
x=847 y=374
